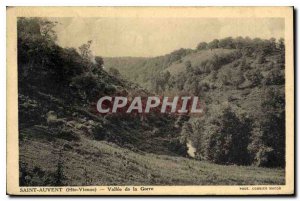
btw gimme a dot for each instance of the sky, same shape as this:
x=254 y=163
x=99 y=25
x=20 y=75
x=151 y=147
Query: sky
x=147 y=37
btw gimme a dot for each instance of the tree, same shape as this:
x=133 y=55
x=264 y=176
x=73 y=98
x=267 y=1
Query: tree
x=188 y=66
x=213 y=44
x=179 y=81
x=177 y=55
x=86 y=54
x=59 y=176
x=202 y=46
x=192 y=86
x=255 y=77
x=272 y=44
x=229 y=141
x=89 y=86
x=214 y=75
x=39 y=27
x=72 y=63
x=232 y=77
x=275 y=77
x=247 y=51
x=261 y=57
x=238 y=78
x=273 y=128
x=225 y=77
x=38 y=55
x=239 y=42
x=28 y=27
x=99 y=61
x=281 y=45
x=226 y=43
x=186 y=132
x=243 y=64
x=85 y=50
x=114 y=72
x=268 y=141
x=160 y=82
x=23 y=178
x=47 y=29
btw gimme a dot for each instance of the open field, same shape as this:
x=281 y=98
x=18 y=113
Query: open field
x=90 y=162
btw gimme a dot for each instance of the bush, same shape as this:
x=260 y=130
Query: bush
x=254 y=76
x=99 y=132
x=35 y=176
x=67 y=134
x=29 y=108
x=275 y=77
x=177 y=147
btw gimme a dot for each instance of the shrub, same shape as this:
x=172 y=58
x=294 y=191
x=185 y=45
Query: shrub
x=275 y=77
x=35 y=176
x=254 y=76
x=67 y=134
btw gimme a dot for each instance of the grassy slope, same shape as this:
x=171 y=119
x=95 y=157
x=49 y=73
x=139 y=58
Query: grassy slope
x=196 y=59
x=109 y=164
x=125 y=65
x=131 y=67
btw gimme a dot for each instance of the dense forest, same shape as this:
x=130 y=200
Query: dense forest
x=241 y=81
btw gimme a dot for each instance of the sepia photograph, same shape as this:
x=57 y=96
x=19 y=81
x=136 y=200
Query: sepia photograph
x=150 y=100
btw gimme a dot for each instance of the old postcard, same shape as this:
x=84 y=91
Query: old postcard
x=150 y=101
